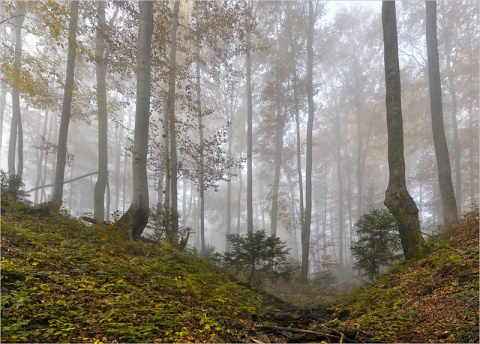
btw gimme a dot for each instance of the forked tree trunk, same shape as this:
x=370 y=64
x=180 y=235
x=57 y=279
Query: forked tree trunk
x=56 y=201
x=136 y=217
x=450 y=214
x=397 y=199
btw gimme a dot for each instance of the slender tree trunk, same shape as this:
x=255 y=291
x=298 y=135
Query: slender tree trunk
x=136 y=217
x=101 y=71
x=248 y=84
x=173 y=233
x=341 y=211
x=472 y=152
x=118 y=140
x=450 y=214
x=279 y=126
x=3 y=105
x=200 y=138
x=397 y=198
x=57 y=196
x=16 y=134
x=40 y=159
x=239 y=204
x=453 y=94
x=308 y=167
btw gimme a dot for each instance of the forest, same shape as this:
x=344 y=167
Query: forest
x=190 y=122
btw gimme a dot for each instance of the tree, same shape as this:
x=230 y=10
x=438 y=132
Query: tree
x=100 y=67
x=308 y=165
x=397 y=199
x=136 y=217
x=248 y=86
x=56 y=201
x=450 y=214
x=16 y=130
x=378 y=242
x=173 y=171
x=257 y=256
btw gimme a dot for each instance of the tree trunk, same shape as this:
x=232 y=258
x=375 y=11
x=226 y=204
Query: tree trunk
x=248 y=85
x=341 y=211
x=453 y=94
x=56 y=201
x=101 y=71
x=16 y=137
x=200 y=138
x=308 y=166
x=397 y=198
x=279 y=126
x=173 y=233
x=450 y=214
x=239 y=204
x=136 y=217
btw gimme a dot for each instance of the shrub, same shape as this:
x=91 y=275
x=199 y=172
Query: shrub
x=11 y=188
x=258 y=256
x=378 y=242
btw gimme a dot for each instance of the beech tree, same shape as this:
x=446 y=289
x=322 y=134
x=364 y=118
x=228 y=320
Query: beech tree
x=56 y=201
x=450 y=214
x=397 y=199
x=136 y=217
x=16 y=129
x=100 y=67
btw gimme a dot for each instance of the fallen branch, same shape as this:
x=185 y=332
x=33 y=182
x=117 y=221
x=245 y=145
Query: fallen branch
x=341 y=338
x=65 y=182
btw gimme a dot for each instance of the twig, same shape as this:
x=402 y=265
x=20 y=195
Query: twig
x=299 y=330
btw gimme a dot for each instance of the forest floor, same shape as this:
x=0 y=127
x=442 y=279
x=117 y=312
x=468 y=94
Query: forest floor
x=65 y=281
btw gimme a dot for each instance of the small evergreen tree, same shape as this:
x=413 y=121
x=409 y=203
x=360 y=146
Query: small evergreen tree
x=378 y=242
x=258 y=256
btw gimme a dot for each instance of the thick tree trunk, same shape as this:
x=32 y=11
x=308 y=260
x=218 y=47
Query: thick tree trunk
x=248 y=85
x=136 y=217
x=397 y=198
x=450 y=214
x=308 y=166
x=173 y=233
x=101 y=71
x=56 y=201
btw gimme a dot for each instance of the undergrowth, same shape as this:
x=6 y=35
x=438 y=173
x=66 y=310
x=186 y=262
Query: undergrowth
x=433 y=299
x=64 y=281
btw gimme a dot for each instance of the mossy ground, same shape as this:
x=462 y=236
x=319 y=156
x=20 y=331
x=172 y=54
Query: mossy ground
x=64 y=281
x=433 y=299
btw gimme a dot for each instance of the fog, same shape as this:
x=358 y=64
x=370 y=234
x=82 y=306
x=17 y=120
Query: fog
x=349 y=149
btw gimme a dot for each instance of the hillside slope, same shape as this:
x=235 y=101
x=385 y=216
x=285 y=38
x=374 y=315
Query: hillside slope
x=434 y=299
x=64 y=281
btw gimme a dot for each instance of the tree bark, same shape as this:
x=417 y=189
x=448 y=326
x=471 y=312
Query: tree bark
x=397 y=198
x=308 y=165
x=200 y=138
x=279 y=132
x=248 y=85
x=16 y=135
x=101 y=71
x=56 y=201
x=450 y=214
x=136 y=217
x=173 y=233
